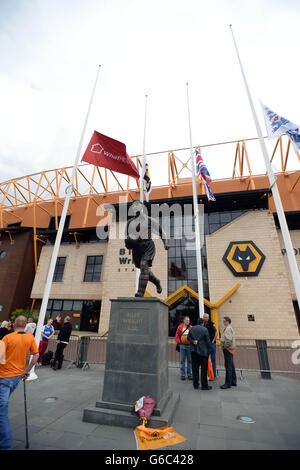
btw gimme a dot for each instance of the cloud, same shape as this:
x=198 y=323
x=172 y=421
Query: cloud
x=50 y=54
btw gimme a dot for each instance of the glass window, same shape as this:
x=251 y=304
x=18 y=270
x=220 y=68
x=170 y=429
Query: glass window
x=206 y=289
x=180 y=284
x=59 y=269
x=192 y=273
x=57 y=304
x=77 y=305
x=171 y=252
x=214 y=227
x=236 y=214
x=188 y=220
x=225 y=217
x=68 y=305
x=93 y=269
x=193 y=284
x=190 y=251
x=172 y=242
x=179 y=251
x=171 y=286
x=192 y=262
x=213 y=218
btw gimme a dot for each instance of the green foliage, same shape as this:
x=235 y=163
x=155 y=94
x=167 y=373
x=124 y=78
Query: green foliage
x=26 y=312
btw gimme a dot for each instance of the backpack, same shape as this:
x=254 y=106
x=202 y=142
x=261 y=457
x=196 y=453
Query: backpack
x=47 y=358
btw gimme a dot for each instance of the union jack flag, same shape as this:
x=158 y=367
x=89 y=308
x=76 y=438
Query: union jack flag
x=202 y=170
x=201 y=167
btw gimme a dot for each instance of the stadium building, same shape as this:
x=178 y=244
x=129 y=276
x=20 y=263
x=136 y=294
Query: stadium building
x=244 y=263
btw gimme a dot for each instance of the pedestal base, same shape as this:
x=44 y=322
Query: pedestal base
x=119 y=414
x=136 y=364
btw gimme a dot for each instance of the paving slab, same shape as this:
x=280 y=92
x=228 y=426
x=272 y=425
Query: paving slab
x=209 y=443
x=208 y=419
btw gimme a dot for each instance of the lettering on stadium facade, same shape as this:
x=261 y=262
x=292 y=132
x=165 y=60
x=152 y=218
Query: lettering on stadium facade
x=125 y=261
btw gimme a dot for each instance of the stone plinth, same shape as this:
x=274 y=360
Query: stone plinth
x=136 y=363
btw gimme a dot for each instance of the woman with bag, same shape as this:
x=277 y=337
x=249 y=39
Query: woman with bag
x=183 y=345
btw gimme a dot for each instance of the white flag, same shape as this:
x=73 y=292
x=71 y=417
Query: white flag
x=277 y=125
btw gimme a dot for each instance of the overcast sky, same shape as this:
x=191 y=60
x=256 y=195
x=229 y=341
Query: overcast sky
x=50 y=50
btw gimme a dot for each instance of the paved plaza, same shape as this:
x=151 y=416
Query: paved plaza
x=208 y=419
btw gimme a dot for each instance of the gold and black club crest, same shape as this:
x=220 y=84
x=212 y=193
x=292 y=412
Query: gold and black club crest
x=244 y=258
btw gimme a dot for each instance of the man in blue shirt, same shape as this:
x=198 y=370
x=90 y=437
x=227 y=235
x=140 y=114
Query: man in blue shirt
x=47 y=333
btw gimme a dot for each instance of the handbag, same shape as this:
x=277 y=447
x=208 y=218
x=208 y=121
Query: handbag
x=177 y=346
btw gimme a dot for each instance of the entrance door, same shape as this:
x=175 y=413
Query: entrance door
x=185 y=306
x=90 y=316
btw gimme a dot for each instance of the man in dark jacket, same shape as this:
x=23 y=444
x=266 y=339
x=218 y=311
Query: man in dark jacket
x=213 y=334
x=200 y=350
x=63 y=341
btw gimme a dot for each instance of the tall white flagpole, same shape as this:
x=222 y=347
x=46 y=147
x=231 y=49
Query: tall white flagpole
x=196 y=215
x=69 y=191
x=144 y=153
x=278 y=204
x=138 y=271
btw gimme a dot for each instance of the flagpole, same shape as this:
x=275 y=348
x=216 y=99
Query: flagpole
x=69 y=191
x=138 y=271
x=278 y=204
x=196 y=215
x=144 y=153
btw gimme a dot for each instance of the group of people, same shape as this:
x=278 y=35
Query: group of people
x=197 y=343
x=62 y=339
x=8 y=327
x=15 y=345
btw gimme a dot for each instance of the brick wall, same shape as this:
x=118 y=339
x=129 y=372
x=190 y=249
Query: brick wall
x=16 y=271
x=266 y=296
x=295 y=237
x=72 y=285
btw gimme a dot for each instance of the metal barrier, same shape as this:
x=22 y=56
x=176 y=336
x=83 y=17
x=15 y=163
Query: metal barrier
x=277 y=354
x=97 y=350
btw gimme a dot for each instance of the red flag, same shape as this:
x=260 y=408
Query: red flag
x=111 y=154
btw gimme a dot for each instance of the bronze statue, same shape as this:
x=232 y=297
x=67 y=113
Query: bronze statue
x=138 y=234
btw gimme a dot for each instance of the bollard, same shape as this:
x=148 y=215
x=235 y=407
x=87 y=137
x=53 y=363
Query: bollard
x=83 y=352
x=261 y=345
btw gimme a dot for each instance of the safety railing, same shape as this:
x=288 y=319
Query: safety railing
x=281 y=356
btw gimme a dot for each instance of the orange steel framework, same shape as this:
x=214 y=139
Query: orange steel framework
x=33 y=199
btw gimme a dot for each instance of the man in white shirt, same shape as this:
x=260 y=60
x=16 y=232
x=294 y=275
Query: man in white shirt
x=31 y=326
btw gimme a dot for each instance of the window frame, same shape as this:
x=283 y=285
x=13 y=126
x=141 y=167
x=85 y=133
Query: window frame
x=93 y=265
x=57 y=266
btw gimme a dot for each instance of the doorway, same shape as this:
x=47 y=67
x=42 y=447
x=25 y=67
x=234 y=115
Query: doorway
x=187 y=305
x=90 y=315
